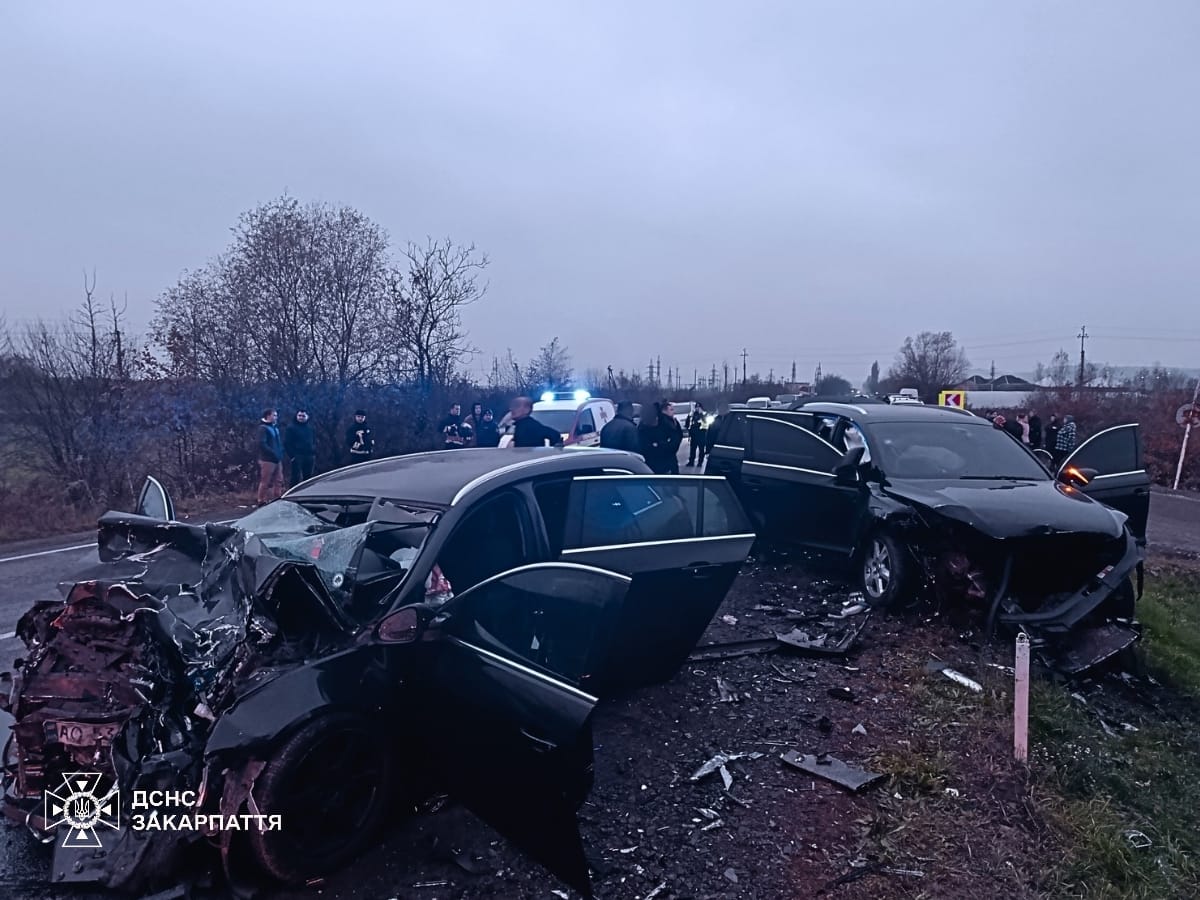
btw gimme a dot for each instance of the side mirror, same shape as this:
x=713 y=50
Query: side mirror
x=1076 y=476
x=402 y=627
x=845 y=473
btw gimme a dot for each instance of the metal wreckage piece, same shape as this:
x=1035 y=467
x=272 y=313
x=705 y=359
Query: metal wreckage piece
x=128 y=676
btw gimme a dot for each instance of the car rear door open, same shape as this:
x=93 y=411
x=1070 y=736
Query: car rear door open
x=682 y=540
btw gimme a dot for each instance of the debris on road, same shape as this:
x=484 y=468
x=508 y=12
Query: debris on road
x=1138 y=840
x=718 y=762
x=859 y=729
x=841 y=693
x=731 y=875
x=936 y=666
x=654 y=893
x=729 y=620
x=727 y=693
x=832 y=769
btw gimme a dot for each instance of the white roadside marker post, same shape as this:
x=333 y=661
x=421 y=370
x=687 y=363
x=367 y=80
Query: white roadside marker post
x=1021 y=700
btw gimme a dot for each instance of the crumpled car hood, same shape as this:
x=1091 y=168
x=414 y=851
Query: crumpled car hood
x=1009 y=509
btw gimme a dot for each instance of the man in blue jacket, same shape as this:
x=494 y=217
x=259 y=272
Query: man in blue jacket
x=270 y=458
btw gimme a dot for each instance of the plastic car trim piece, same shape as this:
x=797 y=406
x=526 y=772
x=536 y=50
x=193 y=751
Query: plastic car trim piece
x=691 y=540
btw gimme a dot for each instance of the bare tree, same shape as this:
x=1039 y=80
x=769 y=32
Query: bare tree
x=550 y=369
x=1061 y=370
x=930 y=362
x=72 y=384
x=442 y=278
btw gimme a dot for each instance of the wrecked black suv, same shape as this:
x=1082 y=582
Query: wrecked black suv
x=929 y=496
x=435 y=621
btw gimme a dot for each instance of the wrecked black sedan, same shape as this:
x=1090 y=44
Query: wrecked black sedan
x=430 y=622
x=920 y=496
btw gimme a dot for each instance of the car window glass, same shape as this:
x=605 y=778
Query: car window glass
x=950 y=450
x=732 y=431
x=586 y=423
x=490 y=540
x=1109 y=453
x=637 y=510
x=552 y=502
x=556 y=619
x=784 y=444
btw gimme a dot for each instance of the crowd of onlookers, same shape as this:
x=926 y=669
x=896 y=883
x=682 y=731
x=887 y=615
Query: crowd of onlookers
x=655 y=434
x=1058 y=438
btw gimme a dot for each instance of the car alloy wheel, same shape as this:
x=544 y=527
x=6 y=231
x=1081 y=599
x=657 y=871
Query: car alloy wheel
x=877 y=569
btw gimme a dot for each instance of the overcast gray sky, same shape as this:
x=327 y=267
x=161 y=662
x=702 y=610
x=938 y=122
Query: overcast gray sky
x=810 y=181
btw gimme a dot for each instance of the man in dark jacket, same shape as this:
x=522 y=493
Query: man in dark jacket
x=528 y=431
x=450 y=428
x=270 y=458
x=621 y=432
x=1051 y=434
x=674 y=436
x=1035 y=431
x=300 y=444
x=487 y=433
x=1013 y=427
x=359 y=440
x=697 y=425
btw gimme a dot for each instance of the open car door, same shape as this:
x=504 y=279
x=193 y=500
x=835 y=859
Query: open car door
x=154 y=502
x=502 y=686
x=1121 y=480
x=681 y=539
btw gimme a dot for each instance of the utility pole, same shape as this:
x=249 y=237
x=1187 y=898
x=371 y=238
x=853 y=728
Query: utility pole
x=817 y=376
x=726 y=367
x=771 y=376
x=658 y=371
x=695 y=378
x=712 y=382
x=793 y=371
x=745 y=354
x=992 y=383
x=678 y=380
x=1083 y=336
x=650 y=372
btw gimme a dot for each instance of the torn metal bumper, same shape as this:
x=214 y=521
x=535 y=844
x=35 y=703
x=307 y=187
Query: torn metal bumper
x=1092 y=624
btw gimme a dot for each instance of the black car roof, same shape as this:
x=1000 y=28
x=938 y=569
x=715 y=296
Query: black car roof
x=874 y=411
x=438 y=478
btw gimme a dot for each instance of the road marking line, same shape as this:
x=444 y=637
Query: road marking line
x=76 y=547
x=7 y=635
x=46 y=552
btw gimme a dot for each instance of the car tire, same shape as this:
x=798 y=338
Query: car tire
x=331 y=783
x=883 y=570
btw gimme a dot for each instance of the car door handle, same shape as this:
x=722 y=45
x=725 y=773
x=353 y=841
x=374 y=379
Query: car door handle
x=541 y=745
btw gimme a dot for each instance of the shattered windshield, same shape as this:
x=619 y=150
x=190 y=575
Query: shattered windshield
x=361 y=550
x=951 y=450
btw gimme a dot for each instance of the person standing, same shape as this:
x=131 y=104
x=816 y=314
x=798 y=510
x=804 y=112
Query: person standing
x=359 y=440
x=487 y=434
x=1035 y=430
x=470 y=426
x=654 y=440
x=621 y=433
x=270 y=458
x=1052 y=427
x=1023 y=421
x=1013 y=427
x=300 y=445
x=674 y=433
x=528 y=431
x=451 y=429
x=1065 y=443
x=696 y=436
